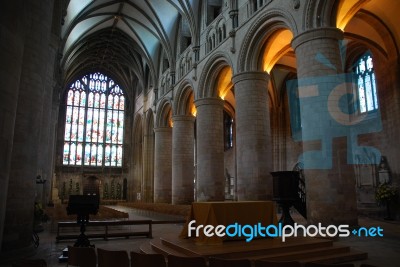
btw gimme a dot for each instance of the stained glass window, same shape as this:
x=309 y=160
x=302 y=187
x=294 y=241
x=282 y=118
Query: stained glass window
x=366 y=84
x=94 y=123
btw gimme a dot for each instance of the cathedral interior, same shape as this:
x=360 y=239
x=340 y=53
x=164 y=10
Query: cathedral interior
x=183 y=101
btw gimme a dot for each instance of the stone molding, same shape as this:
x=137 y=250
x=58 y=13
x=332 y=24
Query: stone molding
x=250 y=75
x=209 y=101
x=315 y=34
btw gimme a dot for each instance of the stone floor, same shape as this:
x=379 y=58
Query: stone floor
x=382 y=251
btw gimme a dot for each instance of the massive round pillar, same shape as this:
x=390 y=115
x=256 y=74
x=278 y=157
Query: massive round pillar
x=19 y=212
x=253 y=136
x=183 y=159
x=11 y=52
x=210 y=180
x=330 y=184
x=163 y=165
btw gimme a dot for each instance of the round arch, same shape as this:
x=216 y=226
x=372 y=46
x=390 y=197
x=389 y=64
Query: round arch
x=164 y=113
x=260 y=31
x=183 y=103
x=210 y=75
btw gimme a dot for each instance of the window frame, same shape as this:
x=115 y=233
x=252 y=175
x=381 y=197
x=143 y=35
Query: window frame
x=110 y=117
x=361 y=75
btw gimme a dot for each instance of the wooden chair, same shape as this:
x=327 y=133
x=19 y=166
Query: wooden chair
x=147 y=260
x=267 y=263
x=316 y=264
x=82 y=257
x=178 y=261
x=30 y=263
x=217 y=262
x=112 y=258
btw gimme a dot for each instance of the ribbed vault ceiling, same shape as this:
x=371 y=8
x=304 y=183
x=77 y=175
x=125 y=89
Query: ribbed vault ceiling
x=122 y=37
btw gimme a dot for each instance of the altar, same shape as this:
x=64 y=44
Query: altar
x=227 y=213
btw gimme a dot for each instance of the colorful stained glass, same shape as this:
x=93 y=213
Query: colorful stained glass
x=121 y=103
x=116 y=102
x=103 y=101
x=94 y=116
x=114 y=155
x=83 y=99
x=66 y=154
x=107 y=156
x=80 y=133
x=119 y=156
x=110 y=102
x=87 y=154
x=97 y=100
x=70 y=97
x=100 y=155
x=67 y=135
x=79 y=154
x=91 y=99
x=93 y=157
x=76 y=98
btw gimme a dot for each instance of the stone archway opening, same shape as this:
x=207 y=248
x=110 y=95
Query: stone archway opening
x=91 y=186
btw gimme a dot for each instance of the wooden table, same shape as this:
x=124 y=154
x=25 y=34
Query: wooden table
x=226 y=213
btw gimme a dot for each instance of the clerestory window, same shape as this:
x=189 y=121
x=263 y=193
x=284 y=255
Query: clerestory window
x=94 y=123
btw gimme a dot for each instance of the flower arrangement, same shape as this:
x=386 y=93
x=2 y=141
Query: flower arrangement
x=385 y=193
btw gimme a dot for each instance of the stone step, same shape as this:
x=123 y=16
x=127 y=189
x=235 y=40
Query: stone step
x=350 y=256
x=241 y=249
x=294 y=249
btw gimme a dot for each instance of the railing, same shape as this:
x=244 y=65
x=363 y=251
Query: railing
x=301 y=204
x=108 y=229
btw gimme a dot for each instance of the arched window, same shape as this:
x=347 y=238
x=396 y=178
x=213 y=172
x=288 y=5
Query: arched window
x=366 y=85
x=94 y=123
x=228 y=131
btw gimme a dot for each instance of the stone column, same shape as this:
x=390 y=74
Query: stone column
x=330 y=184
x=148 y=164
x=210 y=183
x=182 y=159
x=17 y=235
x=163 y=165
x=253 y=136
x=11 y=52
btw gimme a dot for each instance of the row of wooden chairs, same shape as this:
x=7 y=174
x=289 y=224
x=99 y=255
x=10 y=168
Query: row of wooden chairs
x=86 y=257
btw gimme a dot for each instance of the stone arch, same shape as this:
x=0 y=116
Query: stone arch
x=210 y=37
x=319 y=13
x=183 y=103
x=385 y=45
x=164 y=113
x=259 y=32
x=221 y=29
x=210 y=74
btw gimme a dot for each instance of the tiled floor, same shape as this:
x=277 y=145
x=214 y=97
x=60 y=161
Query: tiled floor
x=382 y=251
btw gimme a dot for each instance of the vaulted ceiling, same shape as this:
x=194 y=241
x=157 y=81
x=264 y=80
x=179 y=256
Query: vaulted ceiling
x=123 y=37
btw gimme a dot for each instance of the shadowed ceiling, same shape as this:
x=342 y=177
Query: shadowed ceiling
x=123 y=37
